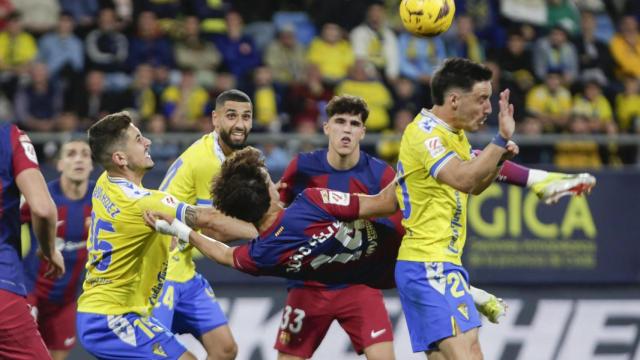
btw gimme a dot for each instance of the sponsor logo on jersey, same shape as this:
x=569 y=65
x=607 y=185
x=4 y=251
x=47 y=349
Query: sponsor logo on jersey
x=434 y=146
x=170 y=201
x=284 y=337
x=335 y=197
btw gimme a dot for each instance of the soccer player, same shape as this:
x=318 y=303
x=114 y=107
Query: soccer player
x=312 y=306
x=316 y=238
x=127 y=261
x=54 y=300
x=437 y=172
x=19 y=336
x=188 y=302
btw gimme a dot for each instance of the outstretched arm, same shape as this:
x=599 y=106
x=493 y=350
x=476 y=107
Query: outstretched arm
x=381 y=204
x=215 y=224
x=211 y=248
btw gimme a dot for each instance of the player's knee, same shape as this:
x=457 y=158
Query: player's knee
x=225 y=351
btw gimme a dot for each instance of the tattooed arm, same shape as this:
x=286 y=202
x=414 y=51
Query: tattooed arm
x=215 y=224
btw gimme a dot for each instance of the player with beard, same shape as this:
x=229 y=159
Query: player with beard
x=188 y=304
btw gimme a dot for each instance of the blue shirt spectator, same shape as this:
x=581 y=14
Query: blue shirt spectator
x=149 y=46
x=107 y=49
x=83 y=11
x=239 y=53
x=419 y=57
x=62 y=47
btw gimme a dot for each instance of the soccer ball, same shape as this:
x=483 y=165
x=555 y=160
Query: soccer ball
x=427 y=17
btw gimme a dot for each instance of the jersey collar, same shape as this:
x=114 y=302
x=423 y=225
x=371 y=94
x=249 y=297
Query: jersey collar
x=217 y=149
x=437 y=120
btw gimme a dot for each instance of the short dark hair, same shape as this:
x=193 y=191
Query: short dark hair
x=232 y=95
x=348 y=104
x=105 y=134
x=240 y=189
x=72 y=139
x=457 y=73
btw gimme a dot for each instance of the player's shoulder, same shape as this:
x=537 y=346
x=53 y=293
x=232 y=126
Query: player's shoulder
x=199 y=147
x=373 y=163
x=126 y=189
x=312 y=159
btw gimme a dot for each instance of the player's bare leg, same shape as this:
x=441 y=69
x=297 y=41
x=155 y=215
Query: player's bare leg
x=283 y=356
x=462 y=346
x=220 y=344
x=380 y=351
x=59 y=354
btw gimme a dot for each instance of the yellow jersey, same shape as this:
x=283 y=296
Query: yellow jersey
x=434 y=213
x=127 y=260
x=189 y=180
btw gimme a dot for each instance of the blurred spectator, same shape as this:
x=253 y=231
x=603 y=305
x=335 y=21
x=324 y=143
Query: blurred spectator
x=389 y=146
x=595 y=107
x=38 y=103
x=285 y=57
x=149 y=44
x=84 y=12
x=107 y=49
x=6 y=8
x=124 y=12
x=463 y=42
x=578 y=154
x=375 y=42
x=335 y=11
x=485 y=16
x=17 y=49
x=193 y=52
x=331 y=53
x=275 y=158
x=565 y=14
x=555 y=53
x=211 y=14
x=224 y=81
x=516 y=64
x=497 y=84
x=140 y=95
x=594 y=56
x=307 y=99
x=96 y=101
x=628 y=106
x=62 y=48
x=163 y=151
x=363 y=81
x=419 y=57
x=166 y=11
x=161 y=79
x=266 y=101
x=238 y=51
x=185 y=105
x=407 y=96
x=625 y=48
x=38 y=16
x=68 y=122
x=550 y=103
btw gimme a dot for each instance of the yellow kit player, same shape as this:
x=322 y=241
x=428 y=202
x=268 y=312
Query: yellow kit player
x=436 y=172
x=127 y=261
x=188 y=304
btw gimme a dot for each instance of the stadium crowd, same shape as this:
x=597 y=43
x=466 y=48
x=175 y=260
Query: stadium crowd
x=64 y=64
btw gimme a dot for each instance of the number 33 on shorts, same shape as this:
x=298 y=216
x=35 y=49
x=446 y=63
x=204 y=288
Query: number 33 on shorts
x=292 y=319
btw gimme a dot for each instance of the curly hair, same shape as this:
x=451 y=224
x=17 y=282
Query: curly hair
x=241 y=189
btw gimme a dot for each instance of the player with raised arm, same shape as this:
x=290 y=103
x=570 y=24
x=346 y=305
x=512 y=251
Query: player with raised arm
x=127 y=261
x=437 y=171
x=19 y=336
x=188 y=302
x=53 y=301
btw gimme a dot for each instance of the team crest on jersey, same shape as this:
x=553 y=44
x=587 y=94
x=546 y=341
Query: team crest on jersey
x=335 y=197
x=434 y=146
x=284 y=337
x=170 y=201
x=158 y=350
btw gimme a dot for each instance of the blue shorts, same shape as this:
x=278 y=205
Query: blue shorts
x=128 y=336
x=434 y=295
x=189 y=307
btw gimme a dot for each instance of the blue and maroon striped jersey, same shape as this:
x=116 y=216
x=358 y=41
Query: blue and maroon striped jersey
x=71 y=239
x=369 y=176
x=16 y=155
x=319 y=237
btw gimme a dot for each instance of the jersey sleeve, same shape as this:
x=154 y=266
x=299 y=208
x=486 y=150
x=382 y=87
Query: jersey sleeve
x=163 y=202
x=288 y=180
x=435 y=153
x=24 y=154
x=343 y=206
x=243 y=261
